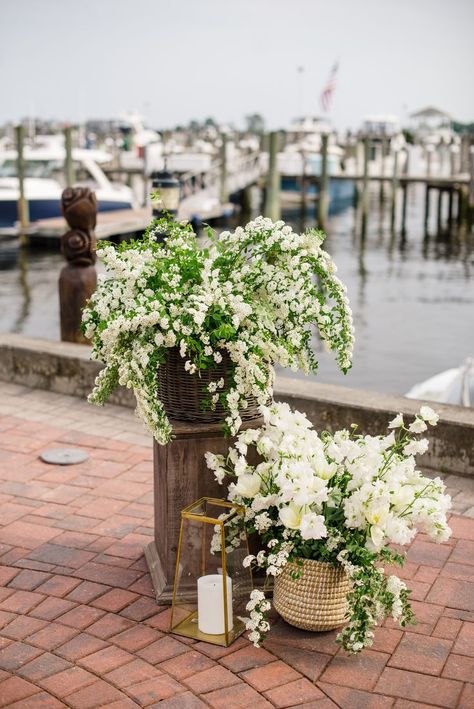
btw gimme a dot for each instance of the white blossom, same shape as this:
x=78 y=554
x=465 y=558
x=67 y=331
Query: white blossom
x=417 y=426
x=266 y=285
x=427 y=413
x=396 y=422
x=308 y=494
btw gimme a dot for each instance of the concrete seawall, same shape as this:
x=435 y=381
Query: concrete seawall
x=65 y=368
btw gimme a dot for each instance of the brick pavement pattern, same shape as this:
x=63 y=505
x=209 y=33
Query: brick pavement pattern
x=79 y=626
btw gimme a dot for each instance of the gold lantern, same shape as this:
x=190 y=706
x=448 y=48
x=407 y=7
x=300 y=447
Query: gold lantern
x=211 y=586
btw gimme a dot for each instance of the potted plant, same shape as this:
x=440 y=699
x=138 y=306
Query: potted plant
x=328 y=509
x=196 y=330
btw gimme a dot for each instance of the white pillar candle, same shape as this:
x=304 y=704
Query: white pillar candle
x=211 y=604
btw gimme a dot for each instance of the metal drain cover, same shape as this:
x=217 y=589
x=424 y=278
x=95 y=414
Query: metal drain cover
x=63 y=456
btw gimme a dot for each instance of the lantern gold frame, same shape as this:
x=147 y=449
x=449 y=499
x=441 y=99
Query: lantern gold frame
x=186 y=624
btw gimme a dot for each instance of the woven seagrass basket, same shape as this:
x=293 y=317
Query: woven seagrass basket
x=317 y=600
x=182 y=394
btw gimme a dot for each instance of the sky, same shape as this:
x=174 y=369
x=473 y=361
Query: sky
x=177 y=60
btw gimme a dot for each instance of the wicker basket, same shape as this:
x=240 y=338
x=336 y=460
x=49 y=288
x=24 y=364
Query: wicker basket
x=182 y=394
x=317 y=600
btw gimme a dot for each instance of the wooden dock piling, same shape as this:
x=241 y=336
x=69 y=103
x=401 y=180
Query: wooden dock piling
x=471 y=185
x=146 y=177
x=359 y=159
x=323 y=206
x=439 y=214
x=23 y=212
x=223 y=193
x=393 y=210
x=383 y=153
x=405 y=195
x=246 y=203
x=303 y=180
x=429 y=155
x=365 y=183
x=272 y=206
x=450 y=206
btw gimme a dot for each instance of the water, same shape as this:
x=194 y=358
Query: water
x=412 y=298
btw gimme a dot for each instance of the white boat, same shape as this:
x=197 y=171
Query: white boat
x=44 y=182
x=453 y=386
x=303 y=157
x=196 y=158
x=139 y=144
x=432 y=126
x=385 y=139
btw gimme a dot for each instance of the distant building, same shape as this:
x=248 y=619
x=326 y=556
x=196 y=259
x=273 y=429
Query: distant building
x=430 y=121
x=380 y=125
x=309 y=124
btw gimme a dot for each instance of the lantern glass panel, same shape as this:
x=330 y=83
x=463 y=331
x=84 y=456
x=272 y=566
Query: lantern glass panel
x=168 y=198
x=211 y=586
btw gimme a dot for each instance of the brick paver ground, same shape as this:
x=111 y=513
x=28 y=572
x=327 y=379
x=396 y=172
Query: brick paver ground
x=79 y=626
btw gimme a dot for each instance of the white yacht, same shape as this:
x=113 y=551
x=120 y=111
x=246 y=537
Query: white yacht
x=139 y=143
x=453 y=386
x=196 y=158
x=302 y=156
x=386 y=138
x=44 y=182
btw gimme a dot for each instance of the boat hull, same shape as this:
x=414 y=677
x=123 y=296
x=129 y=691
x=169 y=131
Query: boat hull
x=341 y=193
x=47 y=209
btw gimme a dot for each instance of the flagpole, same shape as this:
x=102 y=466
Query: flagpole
x=300 y=71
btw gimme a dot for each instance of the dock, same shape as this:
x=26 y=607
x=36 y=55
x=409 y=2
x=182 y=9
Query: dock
x=206 y=194
x=111 y=224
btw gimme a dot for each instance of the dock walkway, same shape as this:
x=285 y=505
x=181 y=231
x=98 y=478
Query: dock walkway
x=79 y=626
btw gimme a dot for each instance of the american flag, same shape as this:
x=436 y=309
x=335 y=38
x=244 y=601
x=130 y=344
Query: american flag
x=327 y=92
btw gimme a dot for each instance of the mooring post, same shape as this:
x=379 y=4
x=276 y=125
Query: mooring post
x=272 y=207
x=223 y=194
x=440 y=209
x=462 y=204
x=365 y=183
x=357 y=171
x=429 y=154
x=323 y=206
x=303 y=180
x=246 y=203
x=383 y=151
x=78 y=278
x=23 y=212
x=393 y=210
x=405 y=193
x=68 y=162
x=471 y=184
x=450 y=205
x=146 y=189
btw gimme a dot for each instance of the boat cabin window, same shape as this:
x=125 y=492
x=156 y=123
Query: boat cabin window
x=83 y=177
x=50 y=169
x=33 y=168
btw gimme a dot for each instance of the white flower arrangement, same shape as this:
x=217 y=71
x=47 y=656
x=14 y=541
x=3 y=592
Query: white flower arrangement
x=255 y=294
x=340 y=498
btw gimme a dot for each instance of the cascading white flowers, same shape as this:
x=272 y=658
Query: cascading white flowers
x=341 y=498
x=256 y=294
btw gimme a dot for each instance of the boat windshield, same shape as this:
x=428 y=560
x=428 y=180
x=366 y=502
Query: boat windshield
x=50 y=169
x=33 y=168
